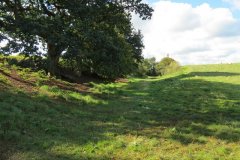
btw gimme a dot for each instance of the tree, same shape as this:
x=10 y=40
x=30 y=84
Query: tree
x=147 y=67
x=167 y=65
x=116 y=49
x=76 y=27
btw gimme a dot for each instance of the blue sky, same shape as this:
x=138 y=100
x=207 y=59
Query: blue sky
x=212 y=3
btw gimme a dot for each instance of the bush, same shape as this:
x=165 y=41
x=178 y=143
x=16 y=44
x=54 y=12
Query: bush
x=146 y=68
x=166 y=66
x=36 y=63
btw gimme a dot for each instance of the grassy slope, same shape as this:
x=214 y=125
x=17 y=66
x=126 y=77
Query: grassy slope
x=194 y=114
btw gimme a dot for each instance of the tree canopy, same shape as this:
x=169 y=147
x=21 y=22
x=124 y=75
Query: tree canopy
x=97 y=33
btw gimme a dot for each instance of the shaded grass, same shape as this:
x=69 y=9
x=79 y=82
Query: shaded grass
x=193 y=115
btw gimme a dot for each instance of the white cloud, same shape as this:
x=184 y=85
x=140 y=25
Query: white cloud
x=235 y=3
x=192 y=35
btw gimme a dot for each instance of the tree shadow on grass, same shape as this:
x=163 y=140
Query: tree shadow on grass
x=16 y=79
x=192 y=106
x=187 y=109
x=35 y=124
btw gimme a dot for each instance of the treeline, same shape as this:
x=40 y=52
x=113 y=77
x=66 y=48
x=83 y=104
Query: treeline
x=150 y=67
x=146 y=67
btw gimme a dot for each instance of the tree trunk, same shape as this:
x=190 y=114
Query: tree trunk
x=53 y=59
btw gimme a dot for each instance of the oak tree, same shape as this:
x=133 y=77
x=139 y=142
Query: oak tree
x=90 y=29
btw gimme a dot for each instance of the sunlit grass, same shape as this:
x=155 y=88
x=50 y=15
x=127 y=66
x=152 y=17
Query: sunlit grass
x=70 y=96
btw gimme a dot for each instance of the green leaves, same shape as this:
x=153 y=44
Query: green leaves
x=97 y=32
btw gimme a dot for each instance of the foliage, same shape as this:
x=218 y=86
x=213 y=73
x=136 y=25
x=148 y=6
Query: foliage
x=166 y=66
x=114 y=58
x=96 y=33
x=34 y=62
x=146 y=67
x=192 y=114
x=150 y=67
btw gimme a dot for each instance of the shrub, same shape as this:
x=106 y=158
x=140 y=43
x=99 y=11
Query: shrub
x=34 y=62
x=166 y=66
x=147 y=68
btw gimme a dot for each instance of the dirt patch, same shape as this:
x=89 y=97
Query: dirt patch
x=29 y=86
x=5 y=150
x=17 y=81
x=121 y=80
x=76 y=87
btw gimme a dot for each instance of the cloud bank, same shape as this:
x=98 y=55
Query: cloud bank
x=191 y=35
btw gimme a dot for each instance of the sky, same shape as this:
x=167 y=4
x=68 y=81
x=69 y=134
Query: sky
x=192 y=31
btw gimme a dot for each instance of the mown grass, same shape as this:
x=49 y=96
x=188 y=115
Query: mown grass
x=193 y=114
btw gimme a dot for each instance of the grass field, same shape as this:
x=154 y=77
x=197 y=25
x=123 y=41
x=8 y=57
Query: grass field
x=190 y=115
